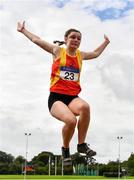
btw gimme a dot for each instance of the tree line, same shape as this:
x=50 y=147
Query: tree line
x=82 y=165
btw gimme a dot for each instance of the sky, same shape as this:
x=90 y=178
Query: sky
x=107 y=82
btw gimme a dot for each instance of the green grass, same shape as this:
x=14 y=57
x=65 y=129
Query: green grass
x=38 y=177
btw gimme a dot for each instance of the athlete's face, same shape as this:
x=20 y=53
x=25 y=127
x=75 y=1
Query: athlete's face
x=73 y=40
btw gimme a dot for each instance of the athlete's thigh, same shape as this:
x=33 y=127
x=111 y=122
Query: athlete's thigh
x=61 y=111
x=76 y=105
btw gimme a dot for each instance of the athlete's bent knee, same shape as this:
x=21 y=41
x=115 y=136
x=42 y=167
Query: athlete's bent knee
x=85 y=107
x=71 y=122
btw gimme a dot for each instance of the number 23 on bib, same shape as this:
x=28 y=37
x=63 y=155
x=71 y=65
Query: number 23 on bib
x=70 y=74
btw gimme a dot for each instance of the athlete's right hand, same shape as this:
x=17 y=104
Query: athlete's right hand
x=21 y=26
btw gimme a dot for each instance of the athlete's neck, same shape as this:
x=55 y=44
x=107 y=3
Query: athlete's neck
x=71 y=52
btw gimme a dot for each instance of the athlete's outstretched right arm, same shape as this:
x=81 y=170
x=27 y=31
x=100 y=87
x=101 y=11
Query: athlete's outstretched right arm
x=35 y=39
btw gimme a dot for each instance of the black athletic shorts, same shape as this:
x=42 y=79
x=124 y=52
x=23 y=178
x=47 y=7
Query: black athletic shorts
x=53 y=97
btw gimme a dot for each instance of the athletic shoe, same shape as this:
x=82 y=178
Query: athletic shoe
x=66 y=156
x=83 y=148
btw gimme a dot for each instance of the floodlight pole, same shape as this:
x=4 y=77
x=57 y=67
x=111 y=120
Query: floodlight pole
x=25 y=168
x=119 y=138
x=55 y=165
x=62 y=166
x=49 y=162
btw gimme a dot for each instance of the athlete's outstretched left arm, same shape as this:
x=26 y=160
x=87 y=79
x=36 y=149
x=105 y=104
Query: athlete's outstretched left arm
x=96 y=52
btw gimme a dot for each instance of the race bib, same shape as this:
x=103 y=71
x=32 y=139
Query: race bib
x=70 y=74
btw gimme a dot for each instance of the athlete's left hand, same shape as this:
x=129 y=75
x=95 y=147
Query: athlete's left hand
x=106 y=38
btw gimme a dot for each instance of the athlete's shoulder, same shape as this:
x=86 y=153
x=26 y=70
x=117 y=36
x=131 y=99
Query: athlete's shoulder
x=79 y=55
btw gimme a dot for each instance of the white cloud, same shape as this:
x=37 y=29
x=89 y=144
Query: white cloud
x=107 y=83
x=118 y=76
x=99 y=5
